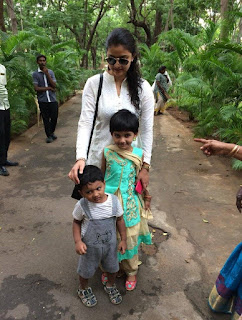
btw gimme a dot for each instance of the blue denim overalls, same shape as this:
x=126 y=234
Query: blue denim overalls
x=101 y=241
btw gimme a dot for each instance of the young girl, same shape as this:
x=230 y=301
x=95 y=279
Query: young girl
x=121 y=164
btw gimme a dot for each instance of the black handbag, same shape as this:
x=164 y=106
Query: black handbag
x=75 y=194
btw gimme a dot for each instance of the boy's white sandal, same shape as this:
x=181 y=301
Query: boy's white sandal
x=87 y=297
x=114 y=295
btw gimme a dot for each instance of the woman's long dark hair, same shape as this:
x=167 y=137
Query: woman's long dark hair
x=121 y=36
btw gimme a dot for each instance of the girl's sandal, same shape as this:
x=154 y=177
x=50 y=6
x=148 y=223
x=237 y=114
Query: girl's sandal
x=114 y=295
x=104 y=278
x=131 y=285
x=87 y=297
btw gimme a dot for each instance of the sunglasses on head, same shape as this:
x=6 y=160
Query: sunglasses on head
x=122 y=61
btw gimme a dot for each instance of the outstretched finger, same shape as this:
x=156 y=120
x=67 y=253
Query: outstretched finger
x=200 y=140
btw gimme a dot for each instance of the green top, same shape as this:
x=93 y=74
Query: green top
x=121 y=174
x=163 y=82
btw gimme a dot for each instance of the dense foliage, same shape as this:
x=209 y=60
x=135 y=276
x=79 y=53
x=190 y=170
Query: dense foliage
x=198 y=41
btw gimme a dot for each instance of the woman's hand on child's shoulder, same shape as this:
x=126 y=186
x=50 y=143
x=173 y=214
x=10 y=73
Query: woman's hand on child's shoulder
x=122 y=246
x=81 y=247
x=78 y=166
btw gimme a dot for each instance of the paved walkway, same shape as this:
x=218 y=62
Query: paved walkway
x=37 y=257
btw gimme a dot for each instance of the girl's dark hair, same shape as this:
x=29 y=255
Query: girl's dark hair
x=90 y=174
x=121 y=36
x=124 y=120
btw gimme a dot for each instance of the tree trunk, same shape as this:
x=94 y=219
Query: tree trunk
x=12 y=16
x=103 y=62
x=21 y=17
x=2 y=26
x=240 y=31
x=101 y=13
x=84 y=62
x=224 y=28
x=140 y=23
x=170 y=17
x=224 y=7
x=158 y=25
x=94 y=57
x=85 y=24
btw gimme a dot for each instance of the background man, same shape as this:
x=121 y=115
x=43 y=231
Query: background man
x=5 y=124
x=45 y=85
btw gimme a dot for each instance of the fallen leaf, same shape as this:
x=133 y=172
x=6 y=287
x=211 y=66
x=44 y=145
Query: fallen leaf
x=139 y=263
x=187 y=261
x=26 y=149
x=205 y=221
x=154 y=230
x=165 y=233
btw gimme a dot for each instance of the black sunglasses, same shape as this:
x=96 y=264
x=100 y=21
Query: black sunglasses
x=112 y=61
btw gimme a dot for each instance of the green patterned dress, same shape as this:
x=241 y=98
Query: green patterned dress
x=120 y=176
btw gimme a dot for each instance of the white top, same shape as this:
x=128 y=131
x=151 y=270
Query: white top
x=98 y=211
x=4 y=104
x=110 y=103
x=46 y=84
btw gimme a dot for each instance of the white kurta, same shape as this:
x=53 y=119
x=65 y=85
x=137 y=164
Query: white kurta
x=110 y=103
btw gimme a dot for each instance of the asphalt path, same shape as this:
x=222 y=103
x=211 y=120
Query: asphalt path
x=195 y=227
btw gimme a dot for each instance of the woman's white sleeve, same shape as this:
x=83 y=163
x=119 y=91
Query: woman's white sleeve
x=147 y=120
x=86 y=119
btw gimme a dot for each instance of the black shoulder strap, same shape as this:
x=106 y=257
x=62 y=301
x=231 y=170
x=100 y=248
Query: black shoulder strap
x=96 y=110
x=75 y=193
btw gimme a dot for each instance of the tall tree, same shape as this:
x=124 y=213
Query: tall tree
x=170 y=19
x=103 y=7
x=158 y=23
x=81 y=19
x=224 y=4
x=2 y=26
x=12 y=16
x=139 y=19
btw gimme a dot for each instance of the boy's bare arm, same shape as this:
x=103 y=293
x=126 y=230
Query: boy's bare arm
x=122 y=231
x=80 y=246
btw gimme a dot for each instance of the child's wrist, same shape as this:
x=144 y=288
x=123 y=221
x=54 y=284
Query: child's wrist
x=79 y=240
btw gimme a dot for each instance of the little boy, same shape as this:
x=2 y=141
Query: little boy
x=96 y=216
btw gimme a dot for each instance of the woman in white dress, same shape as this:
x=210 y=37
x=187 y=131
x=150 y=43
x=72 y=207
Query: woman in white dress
x=123 y=88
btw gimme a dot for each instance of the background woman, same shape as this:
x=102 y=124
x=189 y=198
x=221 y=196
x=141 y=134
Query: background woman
x=160 y=91
x=122 y=88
